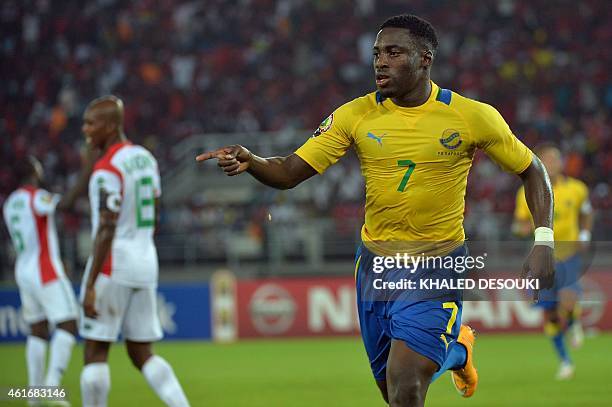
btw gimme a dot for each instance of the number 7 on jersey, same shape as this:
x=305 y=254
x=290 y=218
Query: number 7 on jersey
x=411 y=165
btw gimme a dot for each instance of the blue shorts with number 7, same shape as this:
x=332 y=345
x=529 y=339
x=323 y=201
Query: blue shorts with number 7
x=425 y=326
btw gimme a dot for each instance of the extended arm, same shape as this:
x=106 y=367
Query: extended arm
x=539 y=196
x=538 y=193
x=277 y=172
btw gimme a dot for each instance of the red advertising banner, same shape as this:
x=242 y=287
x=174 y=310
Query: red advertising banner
x=510 y=314
x=326 y=306
x=297 y=307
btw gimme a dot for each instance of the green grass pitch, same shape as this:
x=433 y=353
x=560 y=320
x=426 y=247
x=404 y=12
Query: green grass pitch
x=514 y=370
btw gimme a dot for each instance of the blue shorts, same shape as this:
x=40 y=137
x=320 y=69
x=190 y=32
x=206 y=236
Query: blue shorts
x=567 y=277
x=426 y=326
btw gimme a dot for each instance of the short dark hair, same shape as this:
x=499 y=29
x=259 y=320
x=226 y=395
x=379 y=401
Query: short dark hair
x=418 y=27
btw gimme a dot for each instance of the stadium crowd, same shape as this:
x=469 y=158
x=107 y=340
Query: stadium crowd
x=190 y=67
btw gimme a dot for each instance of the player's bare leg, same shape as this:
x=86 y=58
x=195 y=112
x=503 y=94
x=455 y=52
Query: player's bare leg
x=96 y=351
x=408 y=376
x=40 y=330
x=158 y=372
x=95 y=377
x=36 y=351
x=139 y=352
x=68 y=326
x=60 y=350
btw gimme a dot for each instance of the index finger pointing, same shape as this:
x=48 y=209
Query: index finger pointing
x=208 y=155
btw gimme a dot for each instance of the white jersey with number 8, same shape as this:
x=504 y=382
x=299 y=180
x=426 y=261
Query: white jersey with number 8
x=126 y=181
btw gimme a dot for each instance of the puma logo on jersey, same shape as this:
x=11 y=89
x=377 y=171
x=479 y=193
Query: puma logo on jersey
x=377 y=138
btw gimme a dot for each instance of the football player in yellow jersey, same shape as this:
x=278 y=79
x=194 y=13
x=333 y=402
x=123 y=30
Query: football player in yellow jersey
x=573 y=223
x=415 y=142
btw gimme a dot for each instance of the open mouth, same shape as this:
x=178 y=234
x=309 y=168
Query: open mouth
x=382 y=80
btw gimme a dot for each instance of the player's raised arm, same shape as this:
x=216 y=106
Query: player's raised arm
x=277 y=172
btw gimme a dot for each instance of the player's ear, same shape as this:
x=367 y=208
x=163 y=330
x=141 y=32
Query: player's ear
x=427 y=58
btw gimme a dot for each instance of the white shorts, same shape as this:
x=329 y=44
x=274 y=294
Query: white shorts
x=121 y=309
x=53 y=301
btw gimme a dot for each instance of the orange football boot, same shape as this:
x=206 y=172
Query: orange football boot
x=466 y=379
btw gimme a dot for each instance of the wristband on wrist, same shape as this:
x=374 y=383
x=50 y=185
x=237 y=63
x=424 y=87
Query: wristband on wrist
x=544 y=236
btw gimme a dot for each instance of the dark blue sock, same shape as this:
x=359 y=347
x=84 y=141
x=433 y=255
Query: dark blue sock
x=559 y=343
x=457 y=356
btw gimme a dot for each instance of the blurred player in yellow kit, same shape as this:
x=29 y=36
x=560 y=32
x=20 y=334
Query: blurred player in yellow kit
x=573 y=222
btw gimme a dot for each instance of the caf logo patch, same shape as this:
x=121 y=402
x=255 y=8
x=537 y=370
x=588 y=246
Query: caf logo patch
x=451 y=139
x=324 y=126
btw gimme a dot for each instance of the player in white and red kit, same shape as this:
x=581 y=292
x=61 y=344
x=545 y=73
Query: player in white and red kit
x=120 y=282
x=45 y=291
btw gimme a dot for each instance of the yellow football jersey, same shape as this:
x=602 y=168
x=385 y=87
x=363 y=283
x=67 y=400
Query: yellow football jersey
x=570 y=195
x=415 y=162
